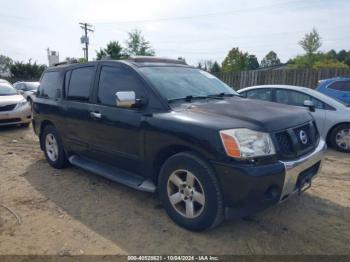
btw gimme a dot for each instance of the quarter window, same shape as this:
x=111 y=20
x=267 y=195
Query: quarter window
x=115 y=79
x=340 y=86
x=80 y=83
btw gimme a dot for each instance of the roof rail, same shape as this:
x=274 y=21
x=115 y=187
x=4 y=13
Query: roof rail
x=71 y=61
x=153 y=59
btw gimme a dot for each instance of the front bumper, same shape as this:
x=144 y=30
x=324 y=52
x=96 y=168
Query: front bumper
x=249 y=188
x=23 y=115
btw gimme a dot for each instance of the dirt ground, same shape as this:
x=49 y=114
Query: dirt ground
x=71 y=211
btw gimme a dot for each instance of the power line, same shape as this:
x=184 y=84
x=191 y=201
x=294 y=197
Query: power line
x=85 y=39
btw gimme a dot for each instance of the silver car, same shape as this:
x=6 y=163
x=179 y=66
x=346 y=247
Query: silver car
x=332 y=116
x=14 y=108
x=27 y=89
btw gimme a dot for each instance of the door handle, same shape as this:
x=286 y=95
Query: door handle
x=95 y=115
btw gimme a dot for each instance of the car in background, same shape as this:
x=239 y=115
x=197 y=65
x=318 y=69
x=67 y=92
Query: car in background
x=337 y=87
x=14 y=108
x=332 y=116
x=27 y=89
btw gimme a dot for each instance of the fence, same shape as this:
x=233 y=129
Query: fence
x=307 y=77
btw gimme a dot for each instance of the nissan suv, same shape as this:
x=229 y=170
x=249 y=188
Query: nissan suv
x=159 y=125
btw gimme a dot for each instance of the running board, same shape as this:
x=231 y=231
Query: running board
x=113 y=173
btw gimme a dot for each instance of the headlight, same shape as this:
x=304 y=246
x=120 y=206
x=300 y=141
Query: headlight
x=21 y=104
x=246 y=143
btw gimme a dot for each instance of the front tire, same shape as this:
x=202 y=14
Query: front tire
x=340 y=138
x=190 y=192
x=53 y=148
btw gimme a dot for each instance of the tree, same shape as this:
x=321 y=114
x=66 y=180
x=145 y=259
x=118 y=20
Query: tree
x=27 y=70
x=270 y=59
x=5 y=64
x=252 y=62
x=215 y=68
x=329 y=63
x=235 y=61
x=311 y=42
x=114 y=50
x=136 y=45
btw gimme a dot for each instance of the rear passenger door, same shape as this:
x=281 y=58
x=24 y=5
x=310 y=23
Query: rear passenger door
x=118 y=135
x=76 y=107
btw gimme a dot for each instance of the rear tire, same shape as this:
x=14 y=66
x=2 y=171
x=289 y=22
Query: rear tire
x=190 y=192
x=53 y=147
x=340 y=138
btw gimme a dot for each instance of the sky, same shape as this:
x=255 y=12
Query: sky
x=194 y=29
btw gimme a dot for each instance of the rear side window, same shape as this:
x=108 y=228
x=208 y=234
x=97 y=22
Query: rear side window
x=49 y=85
x=262 y=94
x=340 y=86
x=115 y=79
x=80 y=83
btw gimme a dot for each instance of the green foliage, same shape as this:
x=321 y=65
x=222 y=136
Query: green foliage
x=235 y=61
x=215 y=68
x=5 y=64
x=136 y=45
x=329 y=63
x=252 y=62
x=271 y=59
x=27 y=70
x=311 y=42
x=114 y=50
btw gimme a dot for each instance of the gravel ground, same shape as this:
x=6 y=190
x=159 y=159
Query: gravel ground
x=71 y=211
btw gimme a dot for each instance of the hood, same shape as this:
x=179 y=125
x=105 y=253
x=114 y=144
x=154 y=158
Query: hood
x=9 y=100
x=239 y=112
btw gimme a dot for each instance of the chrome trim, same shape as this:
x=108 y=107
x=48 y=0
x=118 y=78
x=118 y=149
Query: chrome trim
x=294 y=168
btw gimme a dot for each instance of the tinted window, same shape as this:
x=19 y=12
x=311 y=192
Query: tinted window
x=29 y=86
x=262 y=94
x=80 y=82
x=341 y=86
x=114 y=79
x=49 y=84
x=295 y=98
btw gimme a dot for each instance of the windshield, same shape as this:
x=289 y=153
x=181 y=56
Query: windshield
x=31 y=86
x=181 y=82
x=7 y=90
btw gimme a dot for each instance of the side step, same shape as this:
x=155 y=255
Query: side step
x=113 y=173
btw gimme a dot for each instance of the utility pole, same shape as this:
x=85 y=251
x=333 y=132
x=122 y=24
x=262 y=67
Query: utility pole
x=85 y=39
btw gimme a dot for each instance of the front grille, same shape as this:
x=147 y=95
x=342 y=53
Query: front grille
x=9 y=121
x=7 y=107
x=298 y=141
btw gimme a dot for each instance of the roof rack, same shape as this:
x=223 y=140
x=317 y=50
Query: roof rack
x=72 y=61
x=153 y=59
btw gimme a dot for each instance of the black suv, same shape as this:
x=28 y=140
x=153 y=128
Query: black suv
x=159 y=125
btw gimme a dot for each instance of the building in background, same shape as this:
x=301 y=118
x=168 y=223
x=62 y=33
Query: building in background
x=53 y=57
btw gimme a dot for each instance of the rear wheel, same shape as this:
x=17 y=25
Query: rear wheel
x=190 y=193
x=53 y=147
x=340 y=138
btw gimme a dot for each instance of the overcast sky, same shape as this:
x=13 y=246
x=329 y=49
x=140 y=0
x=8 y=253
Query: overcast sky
x=194 y=29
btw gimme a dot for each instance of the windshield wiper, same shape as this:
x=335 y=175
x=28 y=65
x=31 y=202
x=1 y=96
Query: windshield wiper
x=221 y=95
x=187 y=98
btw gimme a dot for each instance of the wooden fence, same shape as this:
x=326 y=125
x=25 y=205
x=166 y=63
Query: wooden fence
x=308 y=77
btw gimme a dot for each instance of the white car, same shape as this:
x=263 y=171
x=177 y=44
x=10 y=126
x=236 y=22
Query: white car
x=332 y=116
x=27 y=89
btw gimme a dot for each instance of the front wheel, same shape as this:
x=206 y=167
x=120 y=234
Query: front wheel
x=190 y=192
x=53 y=148
x=340 y=138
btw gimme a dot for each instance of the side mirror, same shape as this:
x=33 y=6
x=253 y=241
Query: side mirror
x=310 y=105
x=125 y=99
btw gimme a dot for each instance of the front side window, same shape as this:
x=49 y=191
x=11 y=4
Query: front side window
x=262 y=94
x=295 y=98
x=180 y=82
x=340 y=86
x=30 y=86
x=115 y=79
x=80 y=83
x=49 y=84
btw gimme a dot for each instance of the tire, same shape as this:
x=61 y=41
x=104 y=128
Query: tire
x=340 y=138
x=203 y=216
x=54 y=151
